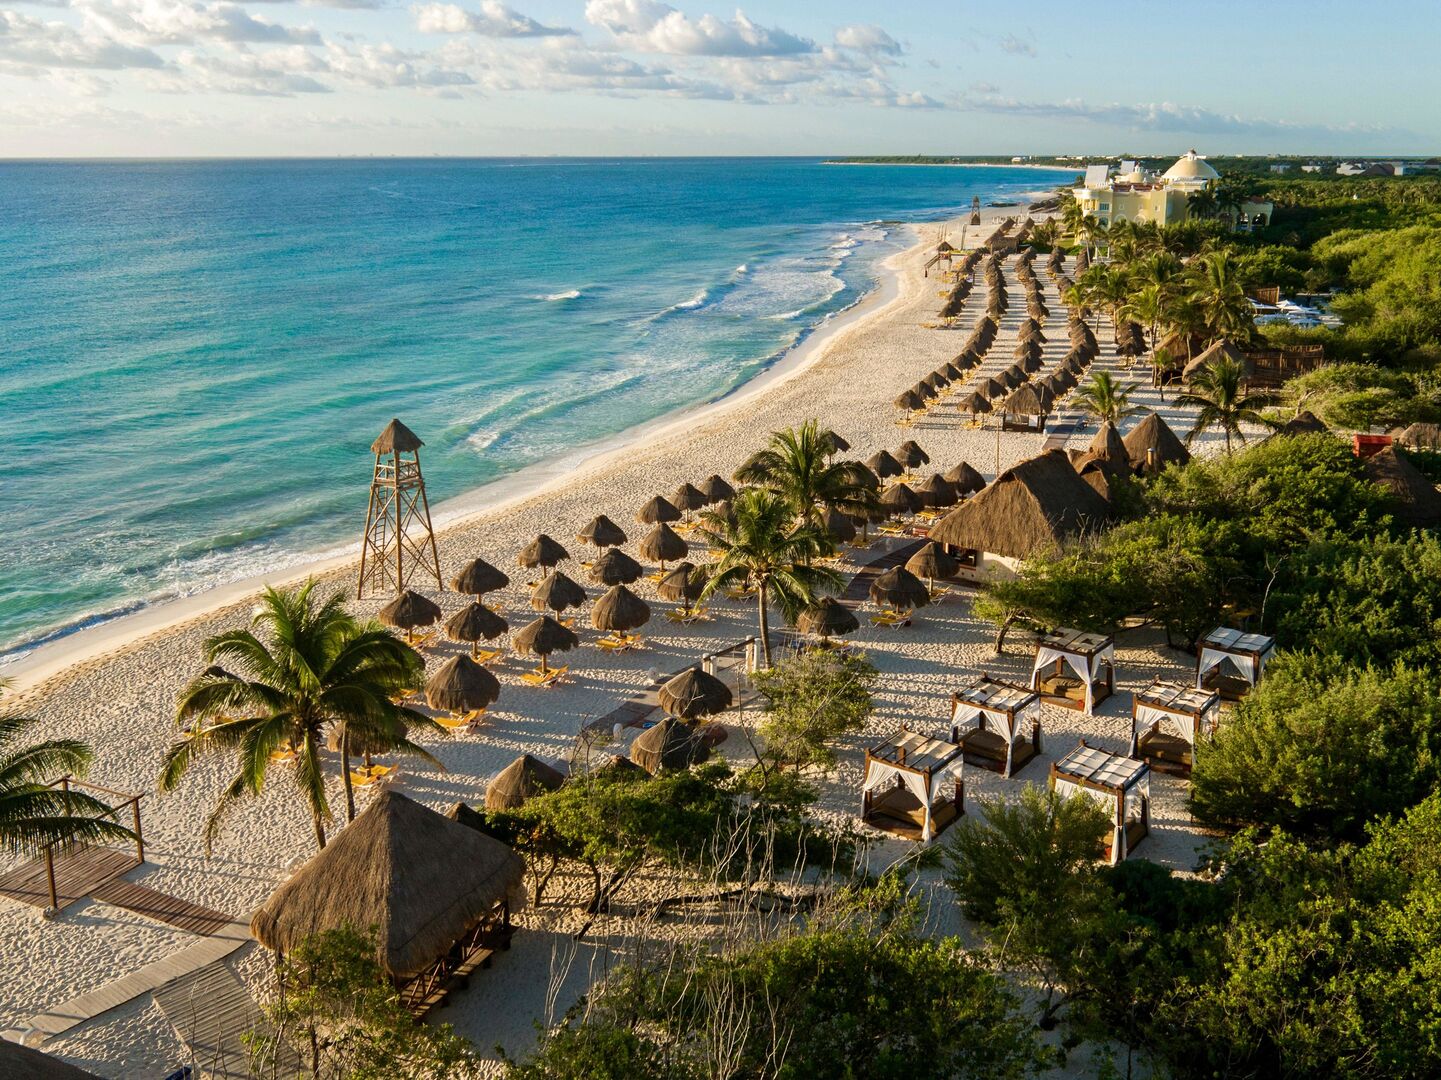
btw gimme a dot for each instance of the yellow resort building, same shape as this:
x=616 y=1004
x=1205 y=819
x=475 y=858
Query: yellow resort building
x=1136 y=194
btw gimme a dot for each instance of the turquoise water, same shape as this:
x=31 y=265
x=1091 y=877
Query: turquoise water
x=195 y=356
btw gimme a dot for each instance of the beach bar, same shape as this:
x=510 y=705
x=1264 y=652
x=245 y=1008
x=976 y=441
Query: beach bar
x=1231 y=661
x=438 y=893
x=1167 y=720
x=1091 y=657
x=905 y=790
x=997 y=724
x=1121 y=785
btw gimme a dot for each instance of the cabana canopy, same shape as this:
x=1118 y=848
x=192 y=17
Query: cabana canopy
x=990 y=721
x=903 y=787
x=1120 y=785
x=1090 y=656
x=1187 y=714
x=1224 y=650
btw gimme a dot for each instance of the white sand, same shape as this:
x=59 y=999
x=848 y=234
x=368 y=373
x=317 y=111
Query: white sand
x=122 y=700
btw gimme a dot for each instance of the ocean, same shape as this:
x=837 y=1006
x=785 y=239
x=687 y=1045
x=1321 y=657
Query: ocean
x=195 y=356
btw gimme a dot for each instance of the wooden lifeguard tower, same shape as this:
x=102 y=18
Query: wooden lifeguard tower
x=975 y=209
x=398 y=537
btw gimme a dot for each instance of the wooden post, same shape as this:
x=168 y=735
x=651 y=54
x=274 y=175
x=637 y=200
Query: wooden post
x=50 y=876
x=139 y=837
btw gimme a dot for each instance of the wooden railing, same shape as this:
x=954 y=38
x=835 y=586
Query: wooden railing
x=65 y=784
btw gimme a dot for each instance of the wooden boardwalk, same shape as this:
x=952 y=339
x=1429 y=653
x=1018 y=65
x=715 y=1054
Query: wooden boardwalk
x=162 y=907
x=212 y=1012
x=78 y=873
x=859 y=588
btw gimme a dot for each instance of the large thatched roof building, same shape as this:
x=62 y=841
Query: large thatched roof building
x=1416 y=502
x=1029 y=509
x=436 y=891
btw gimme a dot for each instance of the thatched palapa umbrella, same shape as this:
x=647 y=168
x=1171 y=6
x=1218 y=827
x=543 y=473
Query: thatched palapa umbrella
x=975 y=404
x=951 y=372
x=479 y=578
x=936 y=381
x=602 y=533
x=460 y=685
x=542 y=552
x=619 y=611
x=837 y=444
x=408 y=611
x=693 y=694
x=522 y=779
x=657 y=511
x=925 y=391
x=419 y=879
x=670 y=744
x=556 y=593
x=688 y=497
x=662 y=545
x=910 y=401
x=544 y=637
x=938 y=491
x=900 y=589
x=827 y=619
x=840 y=526
x=899 y=499
x=933 y=564
x=1107 y=446
x=966 y=479
x=615 y=567
x=884 y=465
x=715 y=489
x=911 y=455
x=993 y=388
x=475 y=623
x=682 y=585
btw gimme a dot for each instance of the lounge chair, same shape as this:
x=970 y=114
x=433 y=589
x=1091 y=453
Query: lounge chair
x=887 y=617
x=685 y=618
x=549 y=677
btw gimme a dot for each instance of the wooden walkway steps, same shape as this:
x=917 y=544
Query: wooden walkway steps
x=162 y=907
x=212 y=1012
x=78 y=873
x=68 y=1014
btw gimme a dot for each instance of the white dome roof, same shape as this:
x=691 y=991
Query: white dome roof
x=1191 y=167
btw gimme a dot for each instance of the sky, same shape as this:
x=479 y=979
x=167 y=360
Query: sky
x=192 y=78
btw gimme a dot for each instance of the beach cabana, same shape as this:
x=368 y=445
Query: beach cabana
x=602 y=533
x=997 y=724
x=662 y=545
x=913 y=786
x=1231 y=662
x=542 y=553
x=556 y=593
x=1026 y=409
x=1121 y=785
x=693 y=694
x=1151 y=445
x=1032 y=507
x=478 y=578
x=438 y=893
x=1090 y=657
x=522 y=779
x=670 y=744
x=1167 y=720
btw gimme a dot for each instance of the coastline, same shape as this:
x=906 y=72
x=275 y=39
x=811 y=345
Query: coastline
x=959 y=165
x=31 y=670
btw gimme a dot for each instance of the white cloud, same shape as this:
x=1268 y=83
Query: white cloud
x=177 y=22
x=492 y=19
x=648 y=26
x=44 y=45
x=868 y=39
x=1017 y=46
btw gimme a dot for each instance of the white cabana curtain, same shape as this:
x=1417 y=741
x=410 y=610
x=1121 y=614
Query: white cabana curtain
x=1087 y=673
x=1107 y=801
x=879 y=773
x=1249 y=667
x=968 y=717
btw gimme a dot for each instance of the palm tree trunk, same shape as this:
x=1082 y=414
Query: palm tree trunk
x=345 y=773
x=764 y=625
x=319 y=830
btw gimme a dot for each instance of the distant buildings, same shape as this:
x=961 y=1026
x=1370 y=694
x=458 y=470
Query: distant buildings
x=1136 y=194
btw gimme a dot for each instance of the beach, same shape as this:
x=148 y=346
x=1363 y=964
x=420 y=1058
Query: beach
x=116 y=686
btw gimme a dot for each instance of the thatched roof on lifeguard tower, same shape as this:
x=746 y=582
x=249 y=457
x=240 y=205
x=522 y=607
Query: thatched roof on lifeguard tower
x=396 y=438
x=421 y=879
x=1417 y=503
x=1152 y=444
x=1030 y=508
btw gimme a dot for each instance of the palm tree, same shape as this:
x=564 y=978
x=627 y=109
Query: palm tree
x=33 y=814
x=319 y=669
x=1147 y=306
x=1095 y=233
x=762 y=544
x=1219 y=391
x=1072 y=216
x=797 y=466
x=1221 y=298
x=1106 y=399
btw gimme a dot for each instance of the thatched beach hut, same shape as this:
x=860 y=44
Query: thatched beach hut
x=1415 y=501
x=438 y=893
x=670 y=744
x=522 y=779
x=828 y=618
x=693 y=694
x=1151 y=445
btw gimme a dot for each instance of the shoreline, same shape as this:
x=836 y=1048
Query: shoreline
x=31 y=670
x=958 y=165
